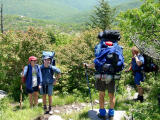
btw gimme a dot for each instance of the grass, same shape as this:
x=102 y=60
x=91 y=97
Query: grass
x=10 y=110
x=63 y=100
x=13 y=112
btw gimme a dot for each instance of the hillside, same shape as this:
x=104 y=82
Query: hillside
x=62 y=11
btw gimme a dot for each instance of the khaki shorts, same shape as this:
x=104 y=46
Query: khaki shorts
x=102 y=86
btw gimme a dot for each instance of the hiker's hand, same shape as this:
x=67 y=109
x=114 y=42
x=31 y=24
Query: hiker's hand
x=39 y=86
x=54 y=83
x=85 y=65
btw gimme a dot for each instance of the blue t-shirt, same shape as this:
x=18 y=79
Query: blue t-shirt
x=47 y=74
x=135 y=67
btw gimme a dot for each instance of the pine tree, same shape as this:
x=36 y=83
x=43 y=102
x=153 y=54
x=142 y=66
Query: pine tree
x=102 y=16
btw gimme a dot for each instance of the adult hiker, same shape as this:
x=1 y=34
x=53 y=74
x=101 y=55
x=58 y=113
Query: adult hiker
x=108 y=62
x=48 y=81
x=33 y=80
x=137 y=69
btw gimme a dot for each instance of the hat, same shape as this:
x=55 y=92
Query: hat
x=46 y=57
x=32 y=58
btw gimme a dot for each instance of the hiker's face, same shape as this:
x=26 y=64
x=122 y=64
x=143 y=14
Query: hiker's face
x=47 y=62
x=134 y=52
x=33 y=62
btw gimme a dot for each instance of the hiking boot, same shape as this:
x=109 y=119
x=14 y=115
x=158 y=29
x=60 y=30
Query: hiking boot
x=111 y=114
x=50 y=110
x=45 y=108
x=139 y=98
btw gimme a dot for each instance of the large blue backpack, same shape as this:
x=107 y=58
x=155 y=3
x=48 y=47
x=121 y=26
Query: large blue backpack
x=109 y=59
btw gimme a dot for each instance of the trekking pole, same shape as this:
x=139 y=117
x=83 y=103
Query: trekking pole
x=88 y=86
x=21 y=88
x=116 y=89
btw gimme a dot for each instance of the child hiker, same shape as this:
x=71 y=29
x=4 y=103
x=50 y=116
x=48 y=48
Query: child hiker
x=32 y=73
x=137 y=68
x=48 y=81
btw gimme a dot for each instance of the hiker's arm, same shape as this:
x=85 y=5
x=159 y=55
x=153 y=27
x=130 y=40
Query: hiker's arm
x=58 y=73
x=40 y=74
x=89 y=65
x=56 y=79
x=139 y=62
x=129 y=69
x=24 y=73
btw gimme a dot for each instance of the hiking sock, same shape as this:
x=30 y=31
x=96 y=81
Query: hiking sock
x=102 y=112
x=111 y=112
x=45 y=107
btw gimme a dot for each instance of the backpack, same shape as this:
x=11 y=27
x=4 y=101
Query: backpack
x=149 y=65
x=109 y=57
x=110 y=60
x=50 y=54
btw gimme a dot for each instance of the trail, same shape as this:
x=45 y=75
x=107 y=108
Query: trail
x=65 y=109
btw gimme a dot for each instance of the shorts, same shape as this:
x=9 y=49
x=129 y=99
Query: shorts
x=47 y=89
x=138 y=77
x=34 y=89
x=102 y=86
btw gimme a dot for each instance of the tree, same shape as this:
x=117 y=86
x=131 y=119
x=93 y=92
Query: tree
x=102 y=16
x=142 y=26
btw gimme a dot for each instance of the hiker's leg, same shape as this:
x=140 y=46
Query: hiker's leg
x=50 y=100
x=101 y=87
x=50 y=92
x=35 y=98
x=111 y=100
x=30 y=99
x=140 y=90
x=111 y=91
x=101 y=99
x=44 y=99
x=102 y=111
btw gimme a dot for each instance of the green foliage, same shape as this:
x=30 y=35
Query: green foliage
x=19 y=23
x=61 y=11
x=145 y=23
x=16 y=47
x=71 y=57
x=103 y=16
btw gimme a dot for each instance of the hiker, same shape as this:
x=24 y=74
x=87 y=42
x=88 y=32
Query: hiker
x=109 y=61
x=48 y=81
x=137 y=69
x=33 y=81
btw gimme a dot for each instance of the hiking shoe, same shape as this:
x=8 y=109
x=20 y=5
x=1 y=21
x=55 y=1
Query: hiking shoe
x=101 y=117
x=50 y=110
x=139 y=98
x=45 y=108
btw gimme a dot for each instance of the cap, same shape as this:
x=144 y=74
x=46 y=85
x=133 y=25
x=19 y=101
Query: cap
x=46 y=57
x=32 y=58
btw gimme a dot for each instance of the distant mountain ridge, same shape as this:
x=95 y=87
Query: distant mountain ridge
x=57 y=10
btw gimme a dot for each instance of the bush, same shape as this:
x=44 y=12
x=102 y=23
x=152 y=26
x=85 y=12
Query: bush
x=16 y=47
